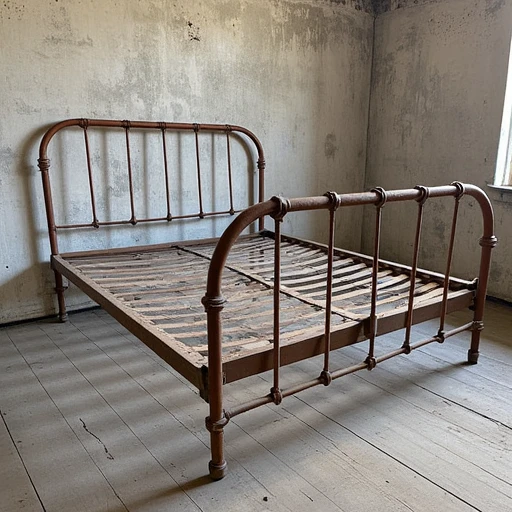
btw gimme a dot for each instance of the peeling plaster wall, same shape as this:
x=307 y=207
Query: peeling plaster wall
x=297 y=73
x=438 y=86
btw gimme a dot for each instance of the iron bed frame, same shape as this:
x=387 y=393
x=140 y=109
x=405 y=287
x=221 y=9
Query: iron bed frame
x=446 y=292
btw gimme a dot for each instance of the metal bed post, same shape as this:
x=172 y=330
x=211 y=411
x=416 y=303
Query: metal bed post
x=44 y=166
x=217 y=419
x=487 y=243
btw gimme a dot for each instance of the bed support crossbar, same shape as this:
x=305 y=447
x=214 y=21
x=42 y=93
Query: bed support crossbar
x=277 y=208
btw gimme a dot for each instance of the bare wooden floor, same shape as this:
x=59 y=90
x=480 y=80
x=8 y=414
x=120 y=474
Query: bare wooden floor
x=94 y=421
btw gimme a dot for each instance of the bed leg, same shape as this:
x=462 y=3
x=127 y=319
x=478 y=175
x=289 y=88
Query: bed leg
x=218 y=418
x=487 y=242
x=218 y=466
x=60 y=289
x=476 y=330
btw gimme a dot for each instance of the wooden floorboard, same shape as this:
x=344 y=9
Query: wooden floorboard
x=16 y=490
x=92 y=420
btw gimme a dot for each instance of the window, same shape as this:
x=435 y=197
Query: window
x=503 y=174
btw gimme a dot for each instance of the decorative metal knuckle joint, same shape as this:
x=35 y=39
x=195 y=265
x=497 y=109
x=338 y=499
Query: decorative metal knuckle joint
x=83 y=123
x=383 y=197
x=231 y=211
x=169 y=217
x=425 y=194
x=326 y=377
x=461 y=190
x=284 y=207
x=127 y=124
x=261 y=163
x=407 y=348
x=44 y=164
x=196 y=127
x=133 y=221
x=217 y=426
x=213 y=302
x=334 y=199
x=277 y=396
x=162 y=125
x=488 y=241
x=371 y=362
x=440 y=336
x=95 y=224
x=477 y=325
x=228 y=128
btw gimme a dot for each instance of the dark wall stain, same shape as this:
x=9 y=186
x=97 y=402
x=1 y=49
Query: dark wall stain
x=493 y=7
x=193 y=32
x=11 y=10
x=358 y=5
x=330 y=146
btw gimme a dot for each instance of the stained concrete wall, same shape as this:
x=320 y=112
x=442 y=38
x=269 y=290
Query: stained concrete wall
x=438 y=86
x=297 y=73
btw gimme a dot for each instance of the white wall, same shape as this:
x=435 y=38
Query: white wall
x=297 y=73
x=438 y=87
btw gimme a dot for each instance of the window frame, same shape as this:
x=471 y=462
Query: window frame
x=503 y=171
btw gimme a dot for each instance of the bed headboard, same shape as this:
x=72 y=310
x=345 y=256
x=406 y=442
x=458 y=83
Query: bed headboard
x=160 y=129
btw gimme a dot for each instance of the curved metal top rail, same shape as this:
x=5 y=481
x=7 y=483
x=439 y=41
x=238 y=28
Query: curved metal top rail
x=277 y=206
x=155 y=125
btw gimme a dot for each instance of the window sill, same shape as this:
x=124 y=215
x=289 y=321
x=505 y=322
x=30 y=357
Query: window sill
x=501 y=193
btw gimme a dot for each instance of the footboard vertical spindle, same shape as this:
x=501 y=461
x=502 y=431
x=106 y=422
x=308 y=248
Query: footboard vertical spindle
x=370 y=360
x=284 y=206
x=325 y=376
x=444 y=303
x=276 y=391
x=412 y=287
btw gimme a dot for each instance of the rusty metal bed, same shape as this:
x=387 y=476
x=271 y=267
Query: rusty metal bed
x=270 y=299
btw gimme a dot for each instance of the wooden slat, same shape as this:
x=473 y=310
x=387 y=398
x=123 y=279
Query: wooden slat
x=166 y=296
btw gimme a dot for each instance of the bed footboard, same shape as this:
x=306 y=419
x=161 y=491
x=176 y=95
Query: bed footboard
x=278 y=208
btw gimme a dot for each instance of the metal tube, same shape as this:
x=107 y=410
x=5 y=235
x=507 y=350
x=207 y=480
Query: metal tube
x=89 y=172
x=444 y=303
x=277 y=296
x=230 y=177
x=166 y=172
x=139 y=221
x=215 y=421
x=198 y=167
x=248 y=406
x=410 y=310
x=375 y=274
x=394 y=353
x=336 y=374
x=261 y=185
x=328 y=291
x=133 y=219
